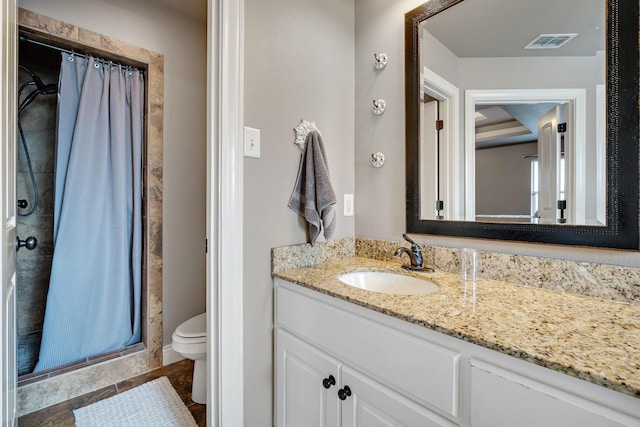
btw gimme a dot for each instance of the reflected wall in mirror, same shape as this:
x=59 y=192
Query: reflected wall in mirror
x=506 y=142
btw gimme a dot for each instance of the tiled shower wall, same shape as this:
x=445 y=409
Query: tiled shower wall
x=39 y=126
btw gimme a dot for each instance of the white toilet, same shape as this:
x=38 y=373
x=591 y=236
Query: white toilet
x=190 y=340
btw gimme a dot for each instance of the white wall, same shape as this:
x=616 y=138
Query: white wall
x=298 y=64
x=182 y=41
x=380 y=192
x=438 y=58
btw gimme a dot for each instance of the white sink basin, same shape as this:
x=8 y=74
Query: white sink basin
x=389 y=283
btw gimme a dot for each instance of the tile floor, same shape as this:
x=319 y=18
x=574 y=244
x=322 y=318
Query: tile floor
x=180 y=375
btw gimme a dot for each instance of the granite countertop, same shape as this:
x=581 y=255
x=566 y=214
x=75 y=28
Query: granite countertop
x=589 y=338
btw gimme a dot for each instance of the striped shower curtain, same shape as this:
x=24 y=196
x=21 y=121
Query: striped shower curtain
x=93 y=302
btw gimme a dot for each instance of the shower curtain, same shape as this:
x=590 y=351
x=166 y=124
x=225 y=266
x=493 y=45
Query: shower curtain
x=93 y=303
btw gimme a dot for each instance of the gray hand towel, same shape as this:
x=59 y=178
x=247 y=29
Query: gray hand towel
x=313 y=196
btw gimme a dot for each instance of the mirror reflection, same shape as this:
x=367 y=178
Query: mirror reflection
x=512 y=112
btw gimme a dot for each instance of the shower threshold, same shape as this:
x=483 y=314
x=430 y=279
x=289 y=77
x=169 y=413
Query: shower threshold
x=89 y=361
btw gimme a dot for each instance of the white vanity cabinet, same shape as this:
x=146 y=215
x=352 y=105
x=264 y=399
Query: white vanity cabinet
x=392 y=378
x=401 y=374
x=503 y=398
x=314 y=389
x=307 y=381
x=371 y=404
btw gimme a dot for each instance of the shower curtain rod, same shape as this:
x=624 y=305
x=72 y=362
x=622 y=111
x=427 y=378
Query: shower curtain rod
x=61 y=49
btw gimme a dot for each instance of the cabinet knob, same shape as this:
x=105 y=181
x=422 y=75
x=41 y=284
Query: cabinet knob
x=343 y=393
x=328 y=382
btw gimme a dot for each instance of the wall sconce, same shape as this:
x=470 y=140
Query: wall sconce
x=380 y=60
x=379 y=105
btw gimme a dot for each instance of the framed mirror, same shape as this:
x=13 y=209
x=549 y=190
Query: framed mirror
x=573 y=138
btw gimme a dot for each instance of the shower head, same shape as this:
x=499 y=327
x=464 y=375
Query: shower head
x=50 y=89
x=42 y=88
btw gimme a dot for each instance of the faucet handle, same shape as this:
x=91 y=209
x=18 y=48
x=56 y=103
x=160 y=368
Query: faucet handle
x=407 y=238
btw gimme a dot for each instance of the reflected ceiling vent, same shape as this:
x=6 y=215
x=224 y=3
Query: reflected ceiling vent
x=550 y=41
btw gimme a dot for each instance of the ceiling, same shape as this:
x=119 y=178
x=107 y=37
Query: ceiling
x=509 y=123
x=501 y=28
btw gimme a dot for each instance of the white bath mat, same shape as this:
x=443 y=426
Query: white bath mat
x=152 y=404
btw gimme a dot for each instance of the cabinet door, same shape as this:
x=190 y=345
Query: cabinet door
x=502 y=398
x=371 y=404
x=301 y=397
x=427 y=373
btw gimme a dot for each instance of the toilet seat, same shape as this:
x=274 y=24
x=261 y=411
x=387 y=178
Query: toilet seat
x=194 y=328
x=191 y=337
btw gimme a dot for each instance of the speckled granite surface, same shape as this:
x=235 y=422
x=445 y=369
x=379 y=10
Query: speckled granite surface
x=590 y=338
x=304 y=255
x=609 y=282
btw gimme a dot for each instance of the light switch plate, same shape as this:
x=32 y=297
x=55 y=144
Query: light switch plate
x=251 y=142
x=348 y=205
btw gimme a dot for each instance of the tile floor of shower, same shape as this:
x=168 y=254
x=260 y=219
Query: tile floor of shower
x=180 y=375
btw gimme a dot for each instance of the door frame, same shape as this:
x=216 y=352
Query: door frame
x=224 y=206
x=225 y=91
x=8 y=220
x=575 y=157
x=452 y=190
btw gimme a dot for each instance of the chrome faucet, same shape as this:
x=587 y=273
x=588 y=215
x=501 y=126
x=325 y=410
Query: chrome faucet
x=415 y=256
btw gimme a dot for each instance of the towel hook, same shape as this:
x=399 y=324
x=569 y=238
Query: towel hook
x=377 y=160
x=302 y=130
x=380 y=60
x=379 y=105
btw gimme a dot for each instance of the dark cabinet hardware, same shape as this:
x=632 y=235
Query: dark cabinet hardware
x=343 y=393
x=328 y=382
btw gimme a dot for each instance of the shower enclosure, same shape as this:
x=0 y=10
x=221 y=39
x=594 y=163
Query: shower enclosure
x=93 y=296
x=36 y=167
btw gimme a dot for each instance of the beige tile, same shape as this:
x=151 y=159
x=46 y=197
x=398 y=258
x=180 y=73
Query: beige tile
x=154 y=243
x=88 y=37
x=48 y=25
x=124 y=49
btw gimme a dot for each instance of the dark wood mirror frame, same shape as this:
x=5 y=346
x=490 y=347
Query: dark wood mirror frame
x=623 y=124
